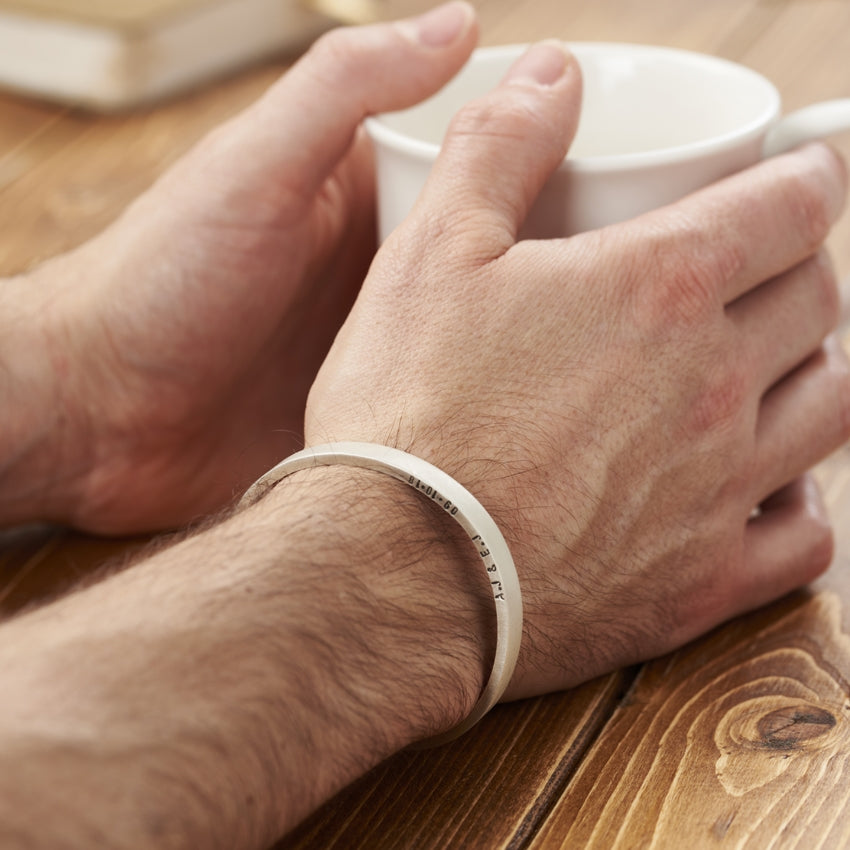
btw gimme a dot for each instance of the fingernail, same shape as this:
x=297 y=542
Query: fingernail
x=543 y=64
x=441 y=26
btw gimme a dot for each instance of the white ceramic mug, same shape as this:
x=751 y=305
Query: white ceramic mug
x=656 y=124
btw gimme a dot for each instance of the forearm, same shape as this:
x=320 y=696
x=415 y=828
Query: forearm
x=216 y=694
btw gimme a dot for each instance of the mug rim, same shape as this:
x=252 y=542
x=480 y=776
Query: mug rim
x=425 y=151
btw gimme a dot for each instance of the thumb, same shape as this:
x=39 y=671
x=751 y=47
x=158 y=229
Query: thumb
x=300 y=129
x=505 y=145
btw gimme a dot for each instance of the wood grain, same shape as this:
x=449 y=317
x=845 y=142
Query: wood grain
x=705 y=27
x=738 y=739
x=41 y=563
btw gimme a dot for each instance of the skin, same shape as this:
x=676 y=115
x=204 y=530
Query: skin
x=636 y=407
x=214 y=694
x=622 y=400
x=204 y=312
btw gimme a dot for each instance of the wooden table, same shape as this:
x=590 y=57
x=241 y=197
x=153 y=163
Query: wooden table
x=740 y=739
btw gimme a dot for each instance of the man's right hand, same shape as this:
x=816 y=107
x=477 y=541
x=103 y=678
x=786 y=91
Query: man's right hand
x=636 y=406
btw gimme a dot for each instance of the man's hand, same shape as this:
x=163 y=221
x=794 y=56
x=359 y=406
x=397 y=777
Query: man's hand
x=183 y=341
x=635 y=406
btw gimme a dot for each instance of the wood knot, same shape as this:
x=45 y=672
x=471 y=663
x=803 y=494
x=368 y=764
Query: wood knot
x=787 y=728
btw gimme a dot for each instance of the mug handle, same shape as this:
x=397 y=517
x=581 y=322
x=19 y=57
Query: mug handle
x=806 y=125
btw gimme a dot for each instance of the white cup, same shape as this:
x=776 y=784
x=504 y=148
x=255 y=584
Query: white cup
x=656 y=124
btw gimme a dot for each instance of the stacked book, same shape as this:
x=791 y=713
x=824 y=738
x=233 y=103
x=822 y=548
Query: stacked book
x=114 y=54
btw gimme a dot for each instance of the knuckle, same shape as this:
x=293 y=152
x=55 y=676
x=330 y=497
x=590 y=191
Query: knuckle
x=465 y=237
x=730 y=258
x=821 y=548
x=804 y=195
x=685 y=272
x=721 y=402
x=412 y=241
x=841 y=174
x=841 y=370
x=687 y=288
x=831 y=173
x=506 y=115
x=336 y=54
x=709 y=596
x=703 y=607
x=824 y=285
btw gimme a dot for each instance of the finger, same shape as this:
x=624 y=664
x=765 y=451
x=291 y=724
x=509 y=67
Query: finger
x=305 y=123
x=784 y=321
x=755 y=225
x=802 y=419
x=788 y=544
x=500 y=149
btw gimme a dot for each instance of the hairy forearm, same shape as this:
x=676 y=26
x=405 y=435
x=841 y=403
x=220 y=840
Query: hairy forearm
x=216 y=693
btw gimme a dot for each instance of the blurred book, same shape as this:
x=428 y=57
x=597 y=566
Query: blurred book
x=114 y=54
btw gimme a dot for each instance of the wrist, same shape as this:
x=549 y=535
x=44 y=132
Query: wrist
x=37 y=481
x=406 y=587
